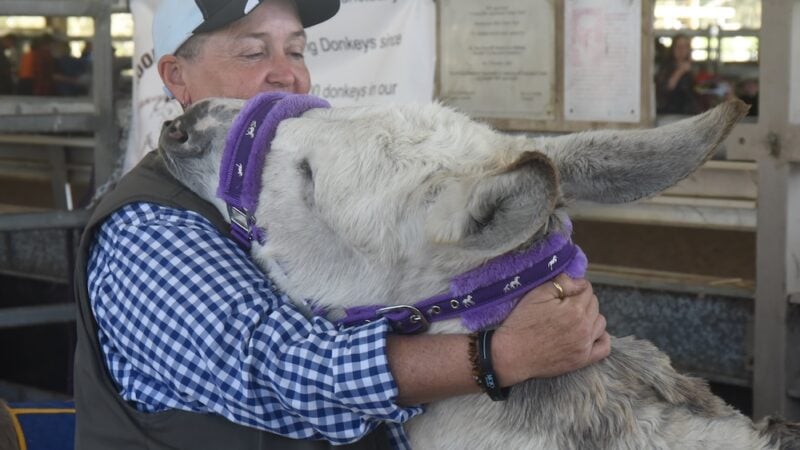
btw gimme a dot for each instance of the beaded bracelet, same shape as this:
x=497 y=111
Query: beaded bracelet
x=480 y=354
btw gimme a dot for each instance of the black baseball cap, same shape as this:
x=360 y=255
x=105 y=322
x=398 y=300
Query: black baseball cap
x=175 y=21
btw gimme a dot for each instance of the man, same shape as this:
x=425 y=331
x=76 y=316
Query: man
x=184 y=344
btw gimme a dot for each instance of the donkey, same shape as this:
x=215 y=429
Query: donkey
x=392 y=202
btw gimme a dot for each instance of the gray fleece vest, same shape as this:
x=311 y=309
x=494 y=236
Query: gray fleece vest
x=104 y=420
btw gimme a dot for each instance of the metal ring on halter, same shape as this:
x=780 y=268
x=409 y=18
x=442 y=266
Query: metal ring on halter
x=561 y=295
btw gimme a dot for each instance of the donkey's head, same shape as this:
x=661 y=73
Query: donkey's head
x=384 y=203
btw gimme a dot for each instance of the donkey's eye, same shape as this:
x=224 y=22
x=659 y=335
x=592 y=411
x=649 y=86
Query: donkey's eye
x=308 y=186
x=305 y=170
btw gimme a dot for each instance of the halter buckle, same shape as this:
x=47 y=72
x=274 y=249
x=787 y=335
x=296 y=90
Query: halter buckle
x=415 y=317
x=240 y=218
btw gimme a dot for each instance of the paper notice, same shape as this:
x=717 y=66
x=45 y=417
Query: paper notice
x=498 y=58
x=603 y=60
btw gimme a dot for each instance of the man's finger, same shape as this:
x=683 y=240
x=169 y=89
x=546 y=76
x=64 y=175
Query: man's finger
x=601 y=348
x=571 y=287
x=593 y=306
x=599 y=327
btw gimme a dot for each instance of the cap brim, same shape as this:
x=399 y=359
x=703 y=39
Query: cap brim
x=313 y=12
x=231 y=12
x=169 y=34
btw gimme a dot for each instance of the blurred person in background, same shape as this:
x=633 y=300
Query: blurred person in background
x=36 y=68
x=675 y=80
x=69 y=71
x=747 y=91
x=26 y=69
x=8 y=43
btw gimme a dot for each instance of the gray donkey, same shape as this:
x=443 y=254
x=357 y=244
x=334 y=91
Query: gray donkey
x=394 y=202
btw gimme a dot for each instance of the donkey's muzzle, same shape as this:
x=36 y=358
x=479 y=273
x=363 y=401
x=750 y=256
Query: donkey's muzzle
x=175 y=131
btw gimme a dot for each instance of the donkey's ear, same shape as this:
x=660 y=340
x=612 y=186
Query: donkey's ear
x=496 y=211
x=622 y=166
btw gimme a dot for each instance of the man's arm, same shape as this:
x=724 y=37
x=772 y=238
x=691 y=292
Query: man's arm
x=187 y=321
x=543 y=337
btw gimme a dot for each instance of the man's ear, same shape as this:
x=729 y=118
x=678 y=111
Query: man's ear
x=171 y=72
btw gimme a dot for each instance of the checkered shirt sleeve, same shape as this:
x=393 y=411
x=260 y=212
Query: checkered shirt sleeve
x=187 y=321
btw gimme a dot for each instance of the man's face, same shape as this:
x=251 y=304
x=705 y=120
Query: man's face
x=261 y=52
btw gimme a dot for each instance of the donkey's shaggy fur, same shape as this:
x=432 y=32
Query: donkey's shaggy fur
x=391 y=202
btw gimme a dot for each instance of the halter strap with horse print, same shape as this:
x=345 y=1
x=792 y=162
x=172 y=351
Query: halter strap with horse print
x=246 y=147
x=484 y=296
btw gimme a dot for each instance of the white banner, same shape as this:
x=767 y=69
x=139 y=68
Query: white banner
x=150 y=105
x=372 y=51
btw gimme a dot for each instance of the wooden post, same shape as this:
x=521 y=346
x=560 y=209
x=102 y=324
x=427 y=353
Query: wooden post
x=777 y=359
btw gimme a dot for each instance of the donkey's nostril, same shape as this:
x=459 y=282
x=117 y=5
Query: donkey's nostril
x=176 y=134
x=175 y=131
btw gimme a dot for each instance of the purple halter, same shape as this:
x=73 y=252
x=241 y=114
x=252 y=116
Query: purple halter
x=246 y=147
x=483 y=297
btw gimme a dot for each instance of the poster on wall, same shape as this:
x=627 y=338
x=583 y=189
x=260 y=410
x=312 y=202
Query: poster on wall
x=498 y=58
x=602 y=60
x=372 y=52
x=794 y=77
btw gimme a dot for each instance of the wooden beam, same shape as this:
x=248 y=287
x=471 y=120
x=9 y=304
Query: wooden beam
x=775 y=355
x=720 y=179
x=777 y=246
x=47 y=8
x=674 y=211
x=44 y=220
x=38 y=139
x=37 y=315
x=670 y=281
x=23 y=106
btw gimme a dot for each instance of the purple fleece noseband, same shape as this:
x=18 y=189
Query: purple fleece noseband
x=248 y=142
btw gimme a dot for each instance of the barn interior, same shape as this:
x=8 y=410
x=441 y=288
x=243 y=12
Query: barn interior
x=708 y=271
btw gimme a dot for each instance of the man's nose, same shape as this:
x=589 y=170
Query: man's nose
x=281 y=73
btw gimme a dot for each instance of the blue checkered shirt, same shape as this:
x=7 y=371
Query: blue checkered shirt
x=187 y=321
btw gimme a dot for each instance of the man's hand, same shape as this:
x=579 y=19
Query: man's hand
x=545 y=336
